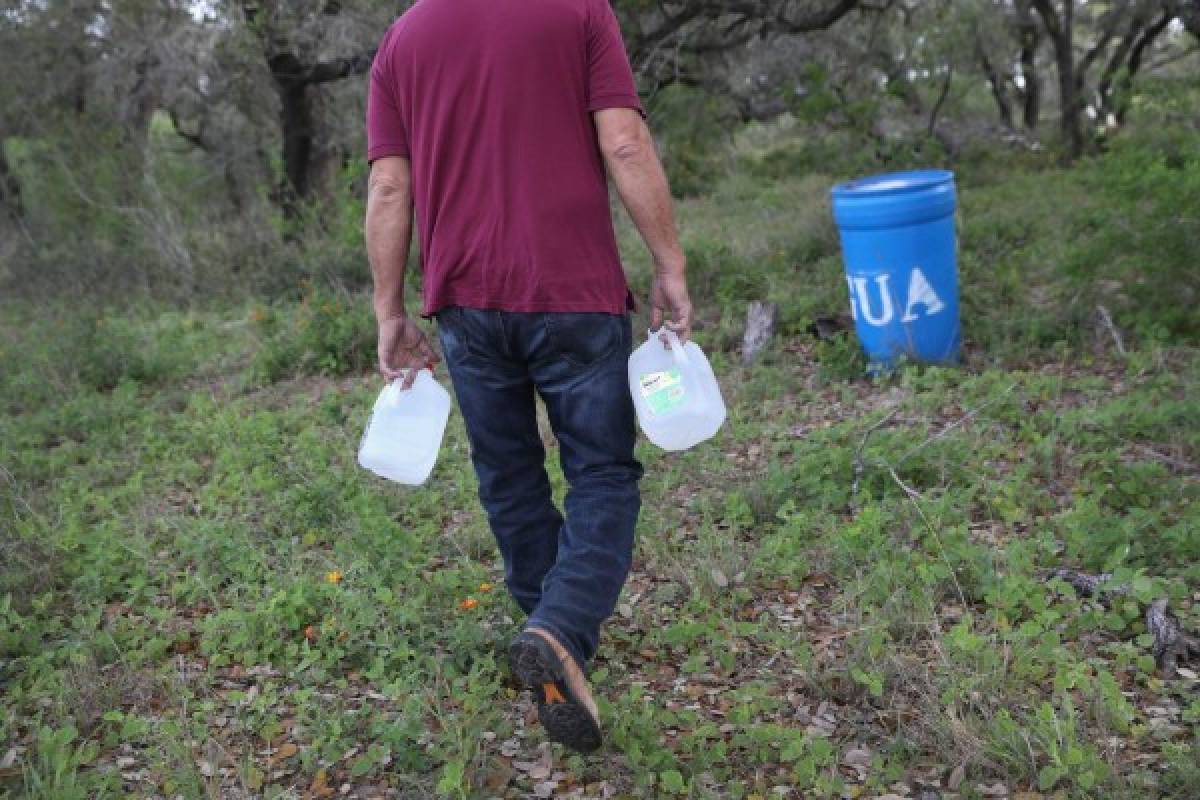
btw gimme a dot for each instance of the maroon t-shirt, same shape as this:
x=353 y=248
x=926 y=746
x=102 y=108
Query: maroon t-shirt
x=491 y=102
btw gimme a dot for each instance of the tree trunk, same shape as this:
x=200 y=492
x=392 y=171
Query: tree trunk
x=1031 y=92
x=998 y=85
x=1068 y=85
x=1136 y=57
x=293 y=79
x=1062 y=35
x=10 y=187
x=1070 y=123
x=931 y=129
x=135 y=112
x=296 y=121
x=1104 y=89
x=761 y=320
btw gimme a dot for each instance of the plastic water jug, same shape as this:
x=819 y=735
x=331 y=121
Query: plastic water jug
x=402 y=439
x=675 y=392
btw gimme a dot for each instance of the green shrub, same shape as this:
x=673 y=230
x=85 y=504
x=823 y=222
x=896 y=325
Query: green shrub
x=693 y=128
x=1048 y=747
x=327 y=333
x=839 y=359
x=1138 y=254
x=54 y=770
x=96 y=351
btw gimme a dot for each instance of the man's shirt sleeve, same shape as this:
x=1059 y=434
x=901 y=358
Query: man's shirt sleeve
x=610 y=77
x=387 y=135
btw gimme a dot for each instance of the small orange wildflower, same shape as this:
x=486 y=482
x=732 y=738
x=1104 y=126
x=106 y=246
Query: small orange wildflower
x=486 y=587
x=468 y=604
x=333 y=576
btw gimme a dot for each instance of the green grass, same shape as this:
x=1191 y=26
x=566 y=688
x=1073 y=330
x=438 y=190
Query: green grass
x=202 y=595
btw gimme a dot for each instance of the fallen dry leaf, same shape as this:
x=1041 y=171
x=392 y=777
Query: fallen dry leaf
x=498 y=779
x=320 y=786
x=285 y=751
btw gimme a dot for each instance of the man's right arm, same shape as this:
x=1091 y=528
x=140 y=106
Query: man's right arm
x=641 y=182
x=403 y=347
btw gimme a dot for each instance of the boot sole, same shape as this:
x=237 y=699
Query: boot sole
x=535 y=664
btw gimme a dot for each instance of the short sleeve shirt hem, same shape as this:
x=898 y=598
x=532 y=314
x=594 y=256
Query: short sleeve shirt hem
x=384 y=150
x=616 y=101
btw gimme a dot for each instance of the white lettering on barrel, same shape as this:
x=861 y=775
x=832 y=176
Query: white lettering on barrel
x=864 y=301
x=921 y=293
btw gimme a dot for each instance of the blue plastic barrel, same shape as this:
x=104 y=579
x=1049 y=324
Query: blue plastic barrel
x=898 y=243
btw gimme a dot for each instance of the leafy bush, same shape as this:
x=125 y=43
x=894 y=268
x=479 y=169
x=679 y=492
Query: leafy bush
x=327 y=333
x=1140 y=253
x=32 y=564
x=93 y=350
x=839 y=359
x=114 y=352
x=693 y=129
x=54 y=770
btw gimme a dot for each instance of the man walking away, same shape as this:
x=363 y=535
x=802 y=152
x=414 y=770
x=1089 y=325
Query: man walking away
x=498 y=123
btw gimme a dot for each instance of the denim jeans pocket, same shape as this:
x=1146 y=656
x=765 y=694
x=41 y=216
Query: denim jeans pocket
x=585 y=338
x=455 y=334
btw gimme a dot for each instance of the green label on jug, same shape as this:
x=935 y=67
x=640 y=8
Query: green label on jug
x=663 y=391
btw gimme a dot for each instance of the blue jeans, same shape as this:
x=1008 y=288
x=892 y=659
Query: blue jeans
x=565 y=573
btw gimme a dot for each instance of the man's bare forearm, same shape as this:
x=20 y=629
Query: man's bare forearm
x=389 y=233
x=641 y=182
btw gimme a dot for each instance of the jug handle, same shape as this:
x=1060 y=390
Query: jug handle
x=394 y=392
x=673 y=342
x=395 y=384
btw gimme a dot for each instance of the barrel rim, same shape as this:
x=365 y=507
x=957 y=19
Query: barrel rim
x=893 y=183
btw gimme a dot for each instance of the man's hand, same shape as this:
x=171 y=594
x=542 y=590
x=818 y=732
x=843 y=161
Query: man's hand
x=670 y=298
x=403 y=350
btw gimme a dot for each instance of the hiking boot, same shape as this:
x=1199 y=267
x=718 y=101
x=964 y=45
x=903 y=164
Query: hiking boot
x=565 y=705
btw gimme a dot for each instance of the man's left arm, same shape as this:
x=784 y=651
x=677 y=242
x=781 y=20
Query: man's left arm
x=403 y=347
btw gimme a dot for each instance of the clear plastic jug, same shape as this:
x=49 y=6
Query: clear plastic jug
x=402 y=439
x=675 y=392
